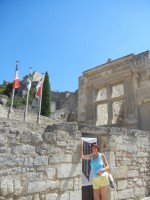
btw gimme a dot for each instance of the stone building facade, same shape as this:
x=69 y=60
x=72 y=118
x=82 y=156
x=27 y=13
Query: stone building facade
x=116 y=93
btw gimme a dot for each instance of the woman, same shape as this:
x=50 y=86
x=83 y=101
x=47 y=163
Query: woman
x=99 y=168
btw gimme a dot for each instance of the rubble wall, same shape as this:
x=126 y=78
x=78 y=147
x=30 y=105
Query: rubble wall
x=128 y=153
x=39 y=162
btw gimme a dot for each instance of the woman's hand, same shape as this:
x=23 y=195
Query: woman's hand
x=100 y=172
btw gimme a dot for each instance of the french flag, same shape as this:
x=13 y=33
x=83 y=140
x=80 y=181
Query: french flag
x=16 y=83
x=39 y=88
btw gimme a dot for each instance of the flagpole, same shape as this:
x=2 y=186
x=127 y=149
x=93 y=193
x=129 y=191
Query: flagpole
x=11 y=107
x=12 y=99
x=26 y=110
x=40 y=102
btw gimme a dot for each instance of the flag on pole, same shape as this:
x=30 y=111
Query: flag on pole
x=16 y=83
x=39 y=89
x=29 y=81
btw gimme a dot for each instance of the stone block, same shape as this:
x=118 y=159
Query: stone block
x=3 y=140
x=27 y=149
x=133 y=173
x=126 y=194
x=51 y=196
x=54 y=150
x=137 y=192
x=37 y=197
x=10 y=185
x=34 y=176
x=49 y=137
x=76 y=158
x=61 y=144
x=26 y=198
x=69 y=126
x=119 y=172
x=122 y=185
x=26 y=137
x=112 y=159
x=66 y=185
x=77 y=183
x=36 y=186
x=75 y=195
x=28 y=162
x=62 y=136
x=51 y=173
x=55 y=196
x=41 y=160
x=58 y=158
x=142 y=154
x=69 y=170
x=13 y=160
x=52 y=184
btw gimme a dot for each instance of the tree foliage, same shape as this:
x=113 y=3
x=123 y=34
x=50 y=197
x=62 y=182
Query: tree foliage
x=8 y=89
x=46 y=97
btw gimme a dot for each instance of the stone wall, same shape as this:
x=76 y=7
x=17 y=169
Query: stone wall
x=39 y=162
x=128 y=153
x=18 y=114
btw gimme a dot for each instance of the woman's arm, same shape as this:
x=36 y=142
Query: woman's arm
x=106 y=168
x=85 y=157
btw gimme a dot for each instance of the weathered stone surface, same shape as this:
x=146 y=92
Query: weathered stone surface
x=116 y=93
x=57 y=158
x=70 y=126
x=122 y=185
x=29 y=162
x=126 y=194
x=10 y=185
x=49 y=137
x=51 y=173
x=77 y=183
x=34 y=176
x=66 y=185
x=41 y=160
x=3 y=140
x=133 y=173
x=68 y=170
x=75 y=195
x=36 y=186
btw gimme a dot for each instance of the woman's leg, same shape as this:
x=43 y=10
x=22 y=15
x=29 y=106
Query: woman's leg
x=103 y=192
x=96 y=194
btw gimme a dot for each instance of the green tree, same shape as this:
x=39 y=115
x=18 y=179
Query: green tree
x=46 y=97
x=8 y=89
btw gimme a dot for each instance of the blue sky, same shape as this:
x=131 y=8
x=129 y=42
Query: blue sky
x=67 y=37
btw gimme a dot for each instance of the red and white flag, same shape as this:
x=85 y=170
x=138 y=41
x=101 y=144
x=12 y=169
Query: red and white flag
x=16 y=83
x=39 y=88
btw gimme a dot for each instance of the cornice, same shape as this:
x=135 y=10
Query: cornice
x=107 y=66
x=136 y=62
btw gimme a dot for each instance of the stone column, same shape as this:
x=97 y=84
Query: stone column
x=130 y=114
x=109 y=92
x=82 y=99
x=89 y=107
